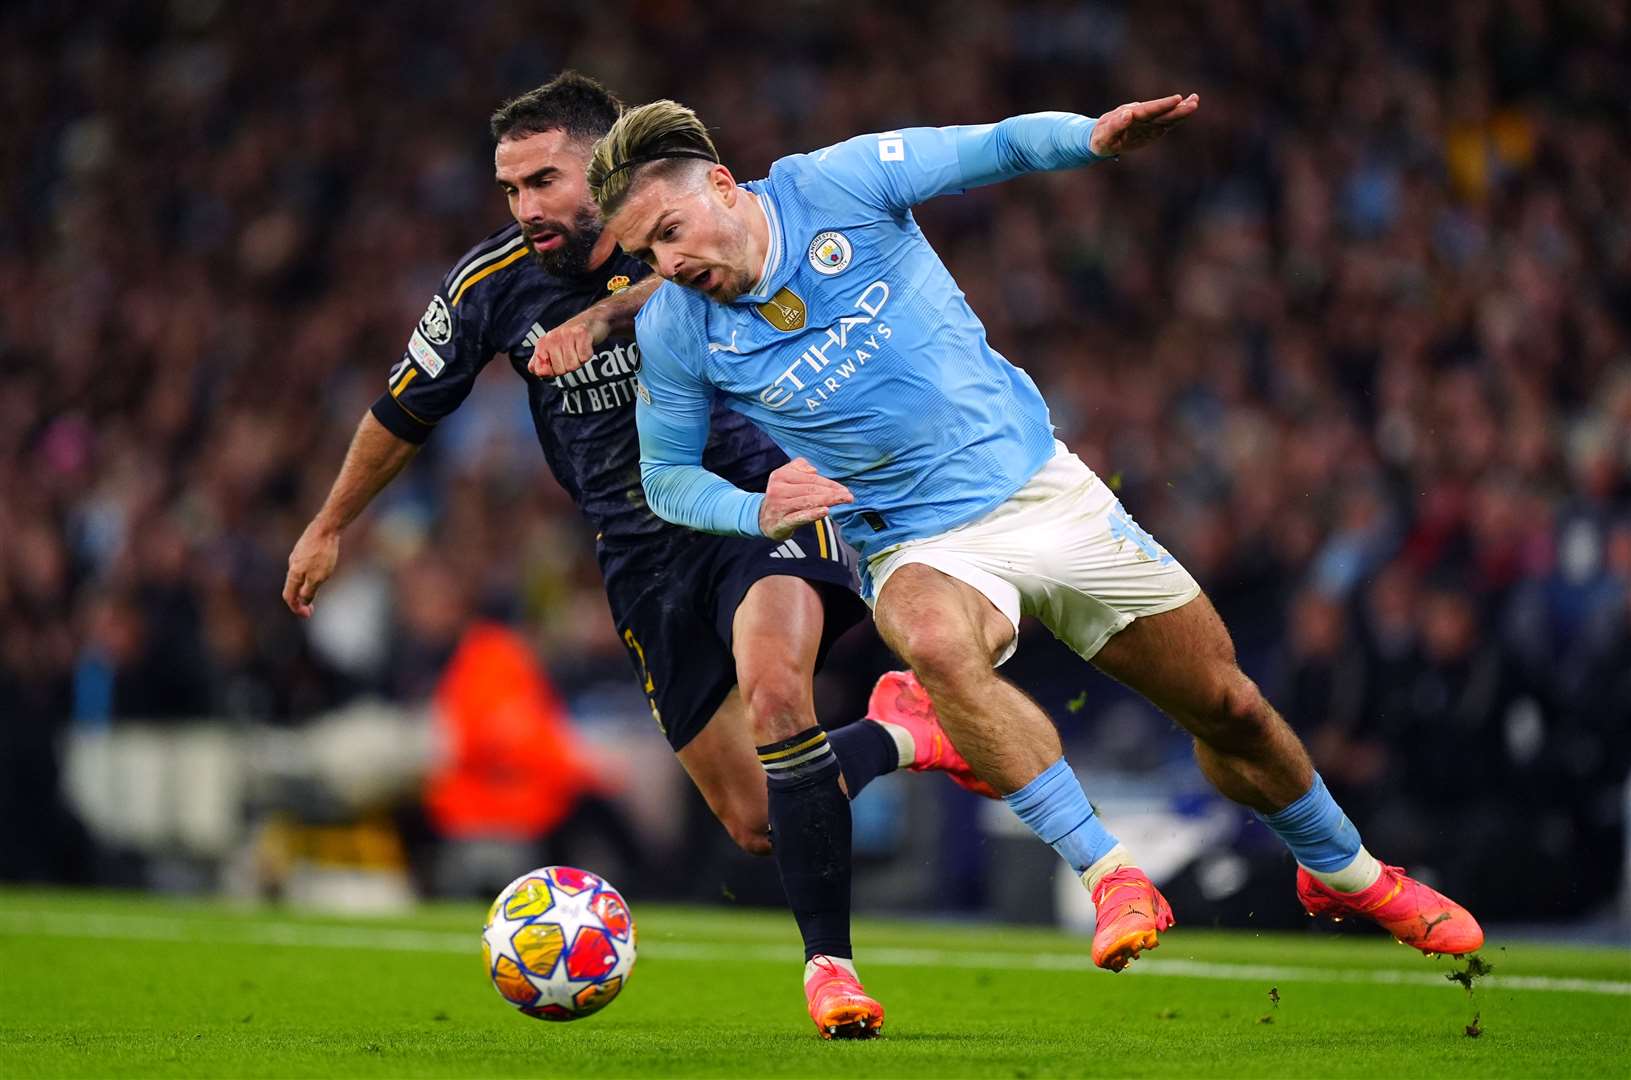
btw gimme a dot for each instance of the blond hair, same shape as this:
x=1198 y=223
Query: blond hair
x=649 y=139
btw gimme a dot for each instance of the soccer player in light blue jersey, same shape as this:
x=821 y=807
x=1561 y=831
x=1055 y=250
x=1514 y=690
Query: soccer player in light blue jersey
x=811 y=303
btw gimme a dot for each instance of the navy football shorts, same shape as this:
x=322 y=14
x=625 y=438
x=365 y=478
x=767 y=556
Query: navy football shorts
x=677 y=622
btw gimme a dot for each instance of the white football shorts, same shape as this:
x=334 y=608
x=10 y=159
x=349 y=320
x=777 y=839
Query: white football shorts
x=1063 y=549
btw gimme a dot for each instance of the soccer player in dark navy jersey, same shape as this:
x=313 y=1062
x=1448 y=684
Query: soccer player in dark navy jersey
x=724 y=633
x=498 y=302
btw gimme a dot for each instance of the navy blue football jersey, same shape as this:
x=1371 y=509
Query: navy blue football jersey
x=499 y=300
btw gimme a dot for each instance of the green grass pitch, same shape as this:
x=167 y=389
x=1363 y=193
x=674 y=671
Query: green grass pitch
x=114 y=985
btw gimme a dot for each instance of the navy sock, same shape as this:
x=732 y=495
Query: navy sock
x=810 y=837
x=865 y=752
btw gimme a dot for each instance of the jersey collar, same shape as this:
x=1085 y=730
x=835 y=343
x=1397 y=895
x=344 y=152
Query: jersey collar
x=763 y=288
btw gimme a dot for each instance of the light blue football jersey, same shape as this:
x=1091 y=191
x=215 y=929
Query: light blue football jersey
x=856 y=349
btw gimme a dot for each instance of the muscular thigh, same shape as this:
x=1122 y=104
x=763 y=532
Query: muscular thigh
x=1182 y=660
x=776 y=634
x=778 y=622
x=923 y=613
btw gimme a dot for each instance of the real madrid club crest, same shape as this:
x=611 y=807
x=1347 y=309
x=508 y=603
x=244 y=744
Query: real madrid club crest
x=784 y=311
x=617 y=283
x=830 y=252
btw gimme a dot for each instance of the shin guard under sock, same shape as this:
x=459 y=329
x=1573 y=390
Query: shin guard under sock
x=1324 y=841
x=1056 y=808
x=810 y=837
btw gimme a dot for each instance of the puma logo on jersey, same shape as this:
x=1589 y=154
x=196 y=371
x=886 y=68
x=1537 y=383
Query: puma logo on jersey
x=714 y=346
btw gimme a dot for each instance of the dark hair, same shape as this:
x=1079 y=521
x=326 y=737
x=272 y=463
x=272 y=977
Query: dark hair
x=571 y=102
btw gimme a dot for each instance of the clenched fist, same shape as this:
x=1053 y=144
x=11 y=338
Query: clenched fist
x=569 y=346
x=797 y=495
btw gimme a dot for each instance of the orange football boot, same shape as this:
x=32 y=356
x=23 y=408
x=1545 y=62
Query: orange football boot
x=1131 y=912
x=838 y=1005
x=1404 y=907
x=900 y=699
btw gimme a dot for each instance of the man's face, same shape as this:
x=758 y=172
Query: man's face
x=542 y=176
x=684 y=227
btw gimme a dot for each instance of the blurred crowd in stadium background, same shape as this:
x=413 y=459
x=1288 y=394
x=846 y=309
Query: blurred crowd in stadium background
x=1355 y=344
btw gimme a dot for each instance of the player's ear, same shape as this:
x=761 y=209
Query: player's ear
x=723 y=185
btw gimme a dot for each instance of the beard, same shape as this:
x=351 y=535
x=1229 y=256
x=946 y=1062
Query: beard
x=571 y=259
x=732 y=284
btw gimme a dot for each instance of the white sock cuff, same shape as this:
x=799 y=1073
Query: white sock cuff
x=1113 y=859
x=837 y=961
x=1357 y=876
x=905 y=745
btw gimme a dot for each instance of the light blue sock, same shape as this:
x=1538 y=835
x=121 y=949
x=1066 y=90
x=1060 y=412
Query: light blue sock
x=1056 y=808
x=1316 y=830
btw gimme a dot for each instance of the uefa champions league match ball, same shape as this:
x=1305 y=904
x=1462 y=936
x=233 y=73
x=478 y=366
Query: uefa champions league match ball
x=559 y=943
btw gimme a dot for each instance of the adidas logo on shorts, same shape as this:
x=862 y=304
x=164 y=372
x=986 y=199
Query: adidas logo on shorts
x=789 y=550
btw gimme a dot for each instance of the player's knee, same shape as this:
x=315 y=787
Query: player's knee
x=778 y=705
x=1238 y=713
x=943 y=658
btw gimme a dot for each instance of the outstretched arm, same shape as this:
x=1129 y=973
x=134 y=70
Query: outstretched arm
x=1139 y=123
x=899 y=169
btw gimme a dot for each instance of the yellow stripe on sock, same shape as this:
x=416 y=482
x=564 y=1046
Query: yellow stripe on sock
x=814 y=740
x=798 y=761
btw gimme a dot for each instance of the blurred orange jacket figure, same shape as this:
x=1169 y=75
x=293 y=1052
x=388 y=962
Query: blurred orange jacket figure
x=513 y=766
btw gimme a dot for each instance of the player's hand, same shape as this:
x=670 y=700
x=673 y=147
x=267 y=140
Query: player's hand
x=1139 y=123
x=569 y=346
x=311 y=563
x=797 y=495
